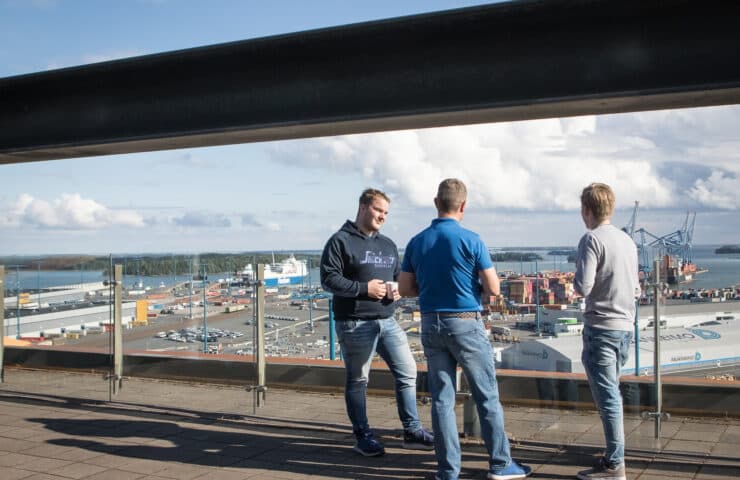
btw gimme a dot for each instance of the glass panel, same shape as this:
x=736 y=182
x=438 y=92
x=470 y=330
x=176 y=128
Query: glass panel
x=57 y=312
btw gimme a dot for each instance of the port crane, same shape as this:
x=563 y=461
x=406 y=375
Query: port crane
x=678 y=243
x=640 y=237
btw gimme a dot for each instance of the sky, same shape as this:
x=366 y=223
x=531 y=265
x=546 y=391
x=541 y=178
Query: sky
x=524 y=178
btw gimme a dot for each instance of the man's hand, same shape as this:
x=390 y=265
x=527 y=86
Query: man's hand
x=376 y=289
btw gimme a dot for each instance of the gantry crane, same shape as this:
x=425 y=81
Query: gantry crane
x=678 y=243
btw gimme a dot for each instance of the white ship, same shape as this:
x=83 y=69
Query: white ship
x=290 y=271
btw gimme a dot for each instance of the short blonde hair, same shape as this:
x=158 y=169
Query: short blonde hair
x=451 y=194
x=369 y=194
x=598 y=198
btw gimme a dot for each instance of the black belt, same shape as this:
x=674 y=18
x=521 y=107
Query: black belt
x=454 y=314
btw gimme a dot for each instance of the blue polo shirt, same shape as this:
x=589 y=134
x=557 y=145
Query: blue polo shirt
x=446 y=259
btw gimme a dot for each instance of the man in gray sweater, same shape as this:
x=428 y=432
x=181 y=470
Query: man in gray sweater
x=606 y=275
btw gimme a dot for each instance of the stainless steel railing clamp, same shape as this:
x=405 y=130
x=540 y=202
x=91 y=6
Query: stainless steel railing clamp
x=116 y=381
x=260 y=395
x=658 y=417
x=256 y=388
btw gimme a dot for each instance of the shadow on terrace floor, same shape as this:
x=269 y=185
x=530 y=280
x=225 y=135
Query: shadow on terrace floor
x=162 y=430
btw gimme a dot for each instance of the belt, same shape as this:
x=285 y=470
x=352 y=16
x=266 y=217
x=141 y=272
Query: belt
x=454 y=314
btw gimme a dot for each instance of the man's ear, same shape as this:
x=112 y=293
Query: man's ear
x=462 y=206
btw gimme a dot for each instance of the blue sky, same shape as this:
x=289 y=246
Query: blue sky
x=524 y=178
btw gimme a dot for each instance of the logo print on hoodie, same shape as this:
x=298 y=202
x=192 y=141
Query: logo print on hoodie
x=378 y=259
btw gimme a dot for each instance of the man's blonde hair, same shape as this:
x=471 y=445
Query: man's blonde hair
x=598 y=198
x=369 y=194
x=450 y=195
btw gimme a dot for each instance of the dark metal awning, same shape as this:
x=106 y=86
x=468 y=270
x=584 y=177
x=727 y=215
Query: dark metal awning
x=502 y=62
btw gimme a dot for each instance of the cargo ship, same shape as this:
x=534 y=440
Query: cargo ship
x=290 y=271
x=677 y=270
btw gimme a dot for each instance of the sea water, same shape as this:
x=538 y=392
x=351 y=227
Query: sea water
x=723 y=271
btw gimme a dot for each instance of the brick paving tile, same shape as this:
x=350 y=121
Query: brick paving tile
x=10 y=473
x=113 y=474
x=42 y=476
x=78 y=470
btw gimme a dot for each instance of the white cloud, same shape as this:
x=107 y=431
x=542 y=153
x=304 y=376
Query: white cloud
x=202 y=219
x=532 y=165
x=69 y=211
x=719 y=190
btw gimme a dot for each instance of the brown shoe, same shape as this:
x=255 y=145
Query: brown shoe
x=602 y=471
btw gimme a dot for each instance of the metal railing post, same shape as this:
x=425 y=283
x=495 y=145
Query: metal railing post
x=2 y=323
x=637 y=337
x=658 y=415
x=259 y=390
x=117 y=329
x=471 y=422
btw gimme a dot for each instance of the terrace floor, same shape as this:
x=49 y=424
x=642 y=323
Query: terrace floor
x=56 y=425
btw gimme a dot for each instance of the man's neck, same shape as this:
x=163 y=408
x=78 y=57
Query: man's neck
x=365 y=231
x=604 y=222
x=453 y=215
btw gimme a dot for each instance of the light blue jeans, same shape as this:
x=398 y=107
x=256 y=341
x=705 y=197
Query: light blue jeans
x=604 y=354
x=449 y=342
x=359 y=340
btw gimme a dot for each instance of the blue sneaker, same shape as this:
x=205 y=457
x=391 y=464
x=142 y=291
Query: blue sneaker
x=419 y=440
x=511 y=472
x=367 y=445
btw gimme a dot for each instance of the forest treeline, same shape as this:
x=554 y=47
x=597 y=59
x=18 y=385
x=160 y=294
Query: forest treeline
x=153 y=265
x=167 y=264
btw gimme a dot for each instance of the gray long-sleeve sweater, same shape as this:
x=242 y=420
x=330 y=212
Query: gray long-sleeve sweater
x=606 y=274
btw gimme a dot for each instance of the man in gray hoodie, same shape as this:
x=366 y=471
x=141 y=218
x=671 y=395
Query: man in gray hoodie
x=607 y=276
x=357 y=265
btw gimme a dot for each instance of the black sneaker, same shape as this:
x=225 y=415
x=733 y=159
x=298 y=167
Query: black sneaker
x=602 y=471
x=367 y=445
x=419 y=440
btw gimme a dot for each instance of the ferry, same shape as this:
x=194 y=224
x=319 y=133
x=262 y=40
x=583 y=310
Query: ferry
x=290 y=271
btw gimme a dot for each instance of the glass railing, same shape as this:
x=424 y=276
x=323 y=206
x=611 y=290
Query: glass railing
x=190 y=319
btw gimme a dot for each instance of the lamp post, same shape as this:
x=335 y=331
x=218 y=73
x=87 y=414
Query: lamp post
x=537 y=297
x=310 y=298
x=205 y=310
x=191 y=288
x=17 y=301
x=332 y=348
x=38 y=285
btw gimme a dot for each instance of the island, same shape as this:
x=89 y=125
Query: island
x=727 y=249
x=515 y=257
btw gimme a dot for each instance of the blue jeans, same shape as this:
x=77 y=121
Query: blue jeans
x=359 y=340
x=449 y=342
x=604 y=354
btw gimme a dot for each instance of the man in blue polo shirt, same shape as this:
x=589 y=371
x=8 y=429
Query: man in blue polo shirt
x=448 y=268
